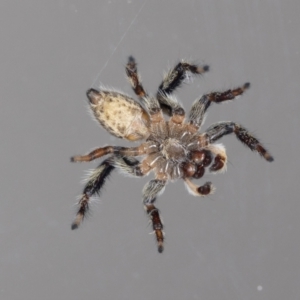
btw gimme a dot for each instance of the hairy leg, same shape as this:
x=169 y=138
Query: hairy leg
x=218 y=130
x=200 y=106
x=134 y=78
x=131 y=166
x=173 y=79
x=96 y=181
x=151 y=103
x=151 y=190
x=175 y=109
x=92 y=187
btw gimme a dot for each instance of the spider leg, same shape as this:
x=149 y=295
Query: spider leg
x=200 y=106
x=132 y=166
x=218 y=130
x=173 y=79
x=99 y=152
x=151 y=103
x=97 y=179
x=175 y=110
x=154 y=110
x=93 y=186
x=134 y=78
x=151 y=190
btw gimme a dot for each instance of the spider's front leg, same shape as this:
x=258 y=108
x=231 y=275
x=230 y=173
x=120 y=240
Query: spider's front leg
x=200 y=106
x=151 y=190
x=218 y=130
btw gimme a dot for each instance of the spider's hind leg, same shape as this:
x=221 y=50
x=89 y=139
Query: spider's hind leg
x=99 y=152
x=151 y=190
x=92 y=187
x=96 y=181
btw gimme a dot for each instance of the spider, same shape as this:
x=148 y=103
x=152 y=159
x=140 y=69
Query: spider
x=172 y=148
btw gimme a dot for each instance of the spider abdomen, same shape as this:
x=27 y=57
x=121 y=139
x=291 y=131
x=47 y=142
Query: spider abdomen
x=119 y=114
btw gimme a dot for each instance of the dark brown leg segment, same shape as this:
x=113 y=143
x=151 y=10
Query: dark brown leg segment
x=157 y=226
x=176 y=76
x=150 y=192
x=228 y=95
x=131 y=71
x=173 y=80
x=93 y=186
x=218 y=130
x=97 y=179
x=171 y=107
x=200 y=106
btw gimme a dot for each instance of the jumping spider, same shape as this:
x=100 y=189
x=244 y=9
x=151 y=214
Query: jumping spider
x=172 y=148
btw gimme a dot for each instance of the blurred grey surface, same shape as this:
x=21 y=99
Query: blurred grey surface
x=240 y=243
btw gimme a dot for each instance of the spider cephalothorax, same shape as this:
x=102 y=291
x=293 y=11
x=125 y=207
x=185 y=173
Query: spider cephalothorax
x=172 y=148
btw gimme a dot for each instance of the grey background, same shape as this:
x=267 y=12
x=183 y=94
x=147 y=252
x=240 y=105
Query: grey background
x=240 y=243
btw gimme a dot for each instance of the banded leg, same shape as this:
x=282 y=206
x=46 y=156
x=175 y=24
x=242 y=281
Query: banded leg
x=173 y=79
x=200 y=106
x=134 y=78
x=150 y=103
x=97 y=179
x=99 y=152
x=151 y=190
x=218 y=130
x=92 y=187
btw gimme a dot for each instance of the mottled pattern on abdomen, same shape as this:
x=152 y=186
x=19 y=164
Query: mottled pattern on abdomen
x=120 y=115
